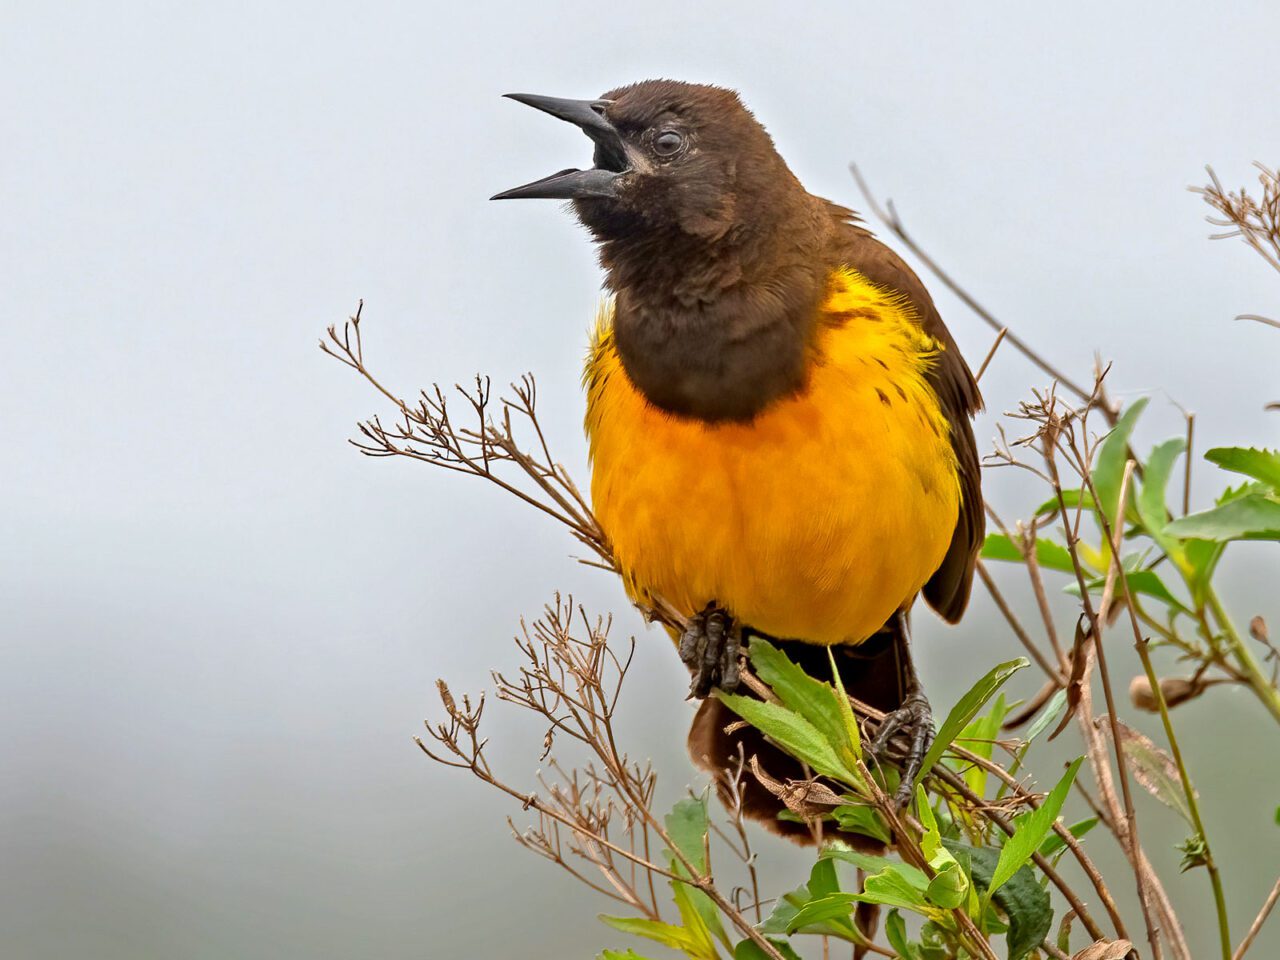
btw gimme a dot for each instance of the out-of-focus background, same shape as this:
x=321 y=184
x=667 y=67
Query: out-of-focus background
x=219 y=626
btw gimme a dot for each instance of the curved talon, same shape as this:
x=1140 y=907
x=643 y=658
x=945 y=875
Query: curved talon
x=709 y=646
x=914 y=719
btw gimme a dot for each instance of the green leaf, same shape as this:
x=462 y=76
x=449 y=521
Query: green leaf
x=792 y=732
x=1025 y=903
x=833 y=907
x=863 y=820
x=620 y=955
x=852 y=732
x=1194 y=852
x=1253 y=517
x=895 y=931
x=1053 y=843
x=823 y=878
x=687 y=825
x=1141 y=582
x=810 y=698
x=698 y=915
x=979 y=737
x=1202 y=558
x=870 y=863
x=967 y=708
x=1047 y=715
x=1262 y=465
x=1152 y=496
x=892 y=888
x=1073 y=497
x=829 y=921
x=1108 y=467
x=949 y=888
x=1031 y=831
x=677 y=938
x=1051 y=555
x=747 y=950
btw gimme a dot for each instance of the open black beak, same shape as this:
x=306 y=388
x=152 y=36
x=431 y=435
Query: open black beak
x=610 y=155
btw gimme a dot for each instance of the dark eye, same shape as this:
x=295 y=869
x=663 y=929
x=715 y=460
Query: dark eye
x=667 y=142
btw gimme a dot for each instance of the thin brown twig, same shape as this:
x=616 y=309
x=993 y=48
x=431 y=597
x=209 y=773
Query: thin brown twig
x=1258 y=921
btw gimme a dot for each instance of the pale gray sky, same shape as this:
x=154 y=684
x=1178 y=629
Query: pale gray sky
x=219 y=626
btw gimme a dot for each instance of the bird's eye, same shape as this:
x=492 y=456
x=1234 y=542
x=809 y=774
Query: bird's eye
x=667 y=142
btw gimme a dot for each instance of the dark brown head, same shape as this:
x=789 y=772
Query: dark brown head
x=714 y=249
x=670 y=158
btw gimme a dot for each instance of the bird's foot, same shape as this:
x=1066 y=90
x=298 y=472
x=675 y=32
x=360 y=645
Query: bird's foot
x=914 y=720
x=709 y=647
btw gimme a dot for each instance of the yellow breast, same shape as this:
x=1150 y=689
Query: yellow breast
x=814 y=521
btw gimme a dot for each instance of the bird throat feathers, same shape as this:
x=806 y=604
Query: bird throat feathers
x=730 y=359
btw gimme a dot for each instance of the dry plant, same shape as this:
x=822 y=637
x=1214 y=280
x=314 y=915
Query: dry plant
x=977 y=853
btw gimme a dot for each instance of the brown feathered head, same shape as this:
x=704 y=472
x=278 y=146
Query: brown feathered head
x=670 y=158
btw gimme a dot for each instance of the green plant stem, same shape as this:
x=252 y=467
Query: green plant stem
x=1193 y=805
x=1249 y=666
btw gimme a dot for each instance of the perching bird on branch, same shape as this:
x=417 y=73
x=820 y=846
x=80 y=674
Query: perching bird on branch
x=779 y=420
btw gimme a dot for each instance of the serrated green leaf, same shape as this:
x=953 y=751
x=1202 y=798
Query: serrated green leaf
x=1108 y=466
x=792 y=732
x=1049 y=554
x=1031 y=831
x=1263 y=465
x=1245 y=489
x=1025 y=903
x=967 y=708
x=1253 y=517
x=812 y=699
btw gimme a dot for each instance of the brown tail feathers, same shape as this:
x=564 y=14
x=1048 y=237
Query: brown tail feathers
x=870 y=672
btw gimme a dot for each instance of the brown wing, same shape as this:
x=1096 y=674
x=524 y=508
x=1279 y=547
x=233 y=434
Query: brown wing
x=948 y=589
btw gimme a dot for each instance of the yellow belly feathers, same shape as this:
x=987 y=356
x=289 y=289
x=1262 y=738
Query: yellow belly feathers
x=814 y=521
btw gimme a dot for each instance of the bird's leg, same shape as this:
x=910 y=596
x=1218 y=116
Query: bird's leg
x=709 y=647
x=914 y=719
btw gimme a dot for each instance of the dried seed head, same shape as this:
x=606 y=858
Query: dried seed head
x=447 y=699
x=1176 y=690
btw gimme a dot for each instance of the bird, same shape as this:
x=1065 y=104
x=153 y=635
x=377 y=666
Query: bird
x=779 y=422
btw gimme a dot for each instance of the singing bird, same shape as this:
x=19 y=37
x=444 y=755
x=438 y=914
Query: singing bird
x=778 y=419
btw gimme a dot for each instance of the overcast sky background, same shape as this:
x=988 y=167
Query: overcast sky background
x=219 y=626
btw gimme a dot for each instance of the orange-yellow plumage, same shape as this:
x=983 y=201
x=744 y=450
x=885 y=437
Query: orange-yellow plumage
x=817 y=519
